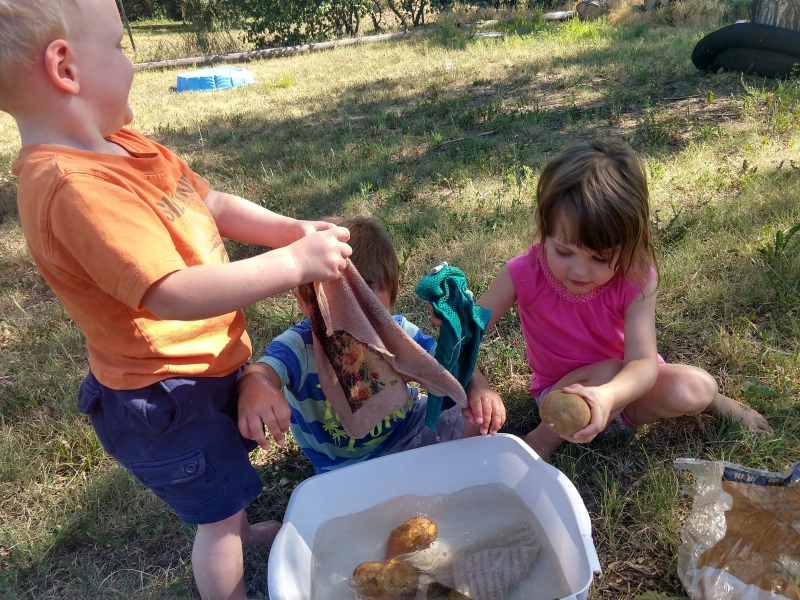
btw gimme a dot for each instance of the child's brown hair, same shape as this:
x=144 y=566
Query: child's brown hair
x=601 y=187
x=26 y=28
x=374 y=256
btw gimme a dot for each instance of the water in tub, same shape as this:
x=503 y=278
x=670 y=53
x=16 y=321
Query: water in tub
x=462 y=518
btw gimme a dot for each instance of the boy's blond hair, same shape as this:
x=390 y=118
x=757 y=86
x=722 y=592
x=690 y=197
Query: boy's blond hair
x=26 y=28
x=374 y=256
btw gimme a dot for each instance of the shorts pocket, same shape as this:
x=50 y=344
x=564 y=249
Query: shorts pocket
x=187 y=483
x=90 y=395
x=152 y=409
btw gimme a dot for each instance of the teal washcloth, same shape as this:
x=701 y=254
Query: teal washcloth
x=463 y=325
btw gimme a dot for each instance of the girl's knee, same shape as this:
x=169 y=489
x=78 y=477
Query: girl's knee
x=694 y=390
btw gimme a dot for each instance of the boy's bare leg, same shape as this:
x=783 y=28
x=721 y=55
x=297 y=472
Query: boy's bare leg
x=217 y=560
x=260 y=534
x=543 y=440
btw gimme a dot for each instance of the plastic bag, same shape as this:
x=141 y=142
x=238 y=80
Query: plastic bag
x=742 y=538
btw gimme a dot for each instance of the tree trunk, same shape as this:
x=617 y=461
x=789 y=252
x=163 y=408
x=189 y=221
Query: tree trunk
x=778 y=13
x=591 y=9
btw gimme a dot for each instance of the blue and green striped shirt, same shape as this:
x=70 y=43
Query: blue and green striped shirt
x=315 y=425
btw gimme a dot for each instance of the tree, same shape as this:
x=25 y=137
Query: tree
x=778 y=13
x=409 y=12
x=292 y=22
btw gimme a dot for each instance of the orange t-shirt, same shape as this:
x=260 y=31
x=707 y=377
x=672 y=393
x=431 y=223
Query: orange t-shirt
x=102 y=229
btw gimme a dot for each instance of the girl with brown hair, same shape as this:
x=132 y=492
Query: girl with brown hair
x=586 y=294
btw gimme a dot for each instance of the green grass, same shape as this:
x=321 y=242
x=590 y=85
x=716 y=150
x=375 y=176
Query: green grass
x=374 y=129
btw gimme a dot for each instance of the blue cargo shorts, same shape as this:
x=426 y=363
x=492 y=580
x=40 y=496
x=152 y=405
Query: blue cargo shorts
x=180 y=438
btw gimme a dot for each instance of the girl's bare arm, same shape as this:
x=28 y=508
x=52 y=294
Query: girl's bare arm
x=499 y=297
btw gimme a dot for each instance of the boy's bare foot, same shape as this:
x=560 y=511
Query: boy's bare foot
x=543 y=441
x=262 y=534
x=757 y=423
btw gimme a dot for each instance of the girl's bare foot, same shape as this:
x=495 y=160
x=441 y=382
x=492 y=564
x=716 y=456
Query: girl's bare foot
x=544 y=441
x=261 y=534
x=722 y=405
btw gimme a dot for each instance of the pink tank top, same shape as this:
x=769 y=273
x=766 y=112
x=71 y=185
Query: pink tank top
x=564 y=331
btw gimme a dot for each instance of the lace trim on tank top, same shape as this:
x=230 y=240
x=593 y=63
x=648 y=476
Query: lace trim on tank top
x=561 y=290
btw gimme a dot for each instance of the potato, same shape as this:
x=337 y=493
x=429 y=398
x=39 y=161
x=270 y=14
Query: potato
x=415 y=534
x=385 y=579
x=565 y=413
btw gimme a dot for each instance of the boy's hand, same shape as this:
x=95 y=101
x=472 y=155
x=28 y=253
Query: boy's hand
x=436 y=321
x=262 y=403
x=322 y=255
x=599 y=406
x=486 y=407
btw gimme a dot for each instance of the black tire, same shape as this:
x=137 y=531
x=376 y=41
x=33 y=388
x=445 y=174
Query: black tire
x=750 y=48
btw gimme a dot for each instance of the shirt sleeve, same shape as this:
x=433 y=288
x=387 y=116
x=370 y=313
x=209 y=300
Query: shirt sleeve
x=631 y=290
x=98 y=228
x=415 y=333
x=526 y=275
x=287 y=355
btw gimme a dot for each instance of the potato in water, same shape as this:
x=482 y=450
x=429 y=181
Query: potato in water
x=415 y=534
x=385 y=580
x=566 y=414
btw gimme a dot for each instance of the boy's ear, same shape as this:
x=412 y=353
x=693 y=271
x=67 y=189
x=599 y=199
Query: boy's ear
x=60 y=67
x=303 y=306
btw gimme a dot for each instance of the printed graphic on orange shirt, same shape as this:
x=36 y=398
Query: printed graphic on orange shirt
x=185 y=192
x=175 y=208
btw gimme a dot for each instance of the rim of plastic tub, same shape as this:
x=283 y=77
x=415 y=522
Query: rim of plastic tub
x=305 y=501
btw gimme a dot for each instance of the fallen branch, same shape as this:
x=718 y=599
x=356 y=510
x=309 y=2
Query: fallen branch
x=276 y=52
x=558 y=15
x=469 y=137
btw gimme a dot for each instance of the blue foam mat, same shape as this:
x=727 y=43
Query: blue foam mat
x=217 y=78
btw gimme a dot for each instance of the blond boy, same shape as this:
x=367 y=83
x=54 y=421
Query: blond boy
x=129 y=238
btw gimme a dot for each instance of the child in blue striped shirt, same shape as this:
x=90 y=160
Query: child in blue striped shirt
x=282 y=389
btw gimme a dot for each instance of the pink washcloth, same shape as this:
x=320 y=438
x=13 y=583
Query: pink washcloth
x=361 y=352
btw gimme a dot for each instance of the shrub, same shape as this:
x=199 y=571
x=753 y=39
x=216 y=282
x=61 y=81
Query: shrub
x=291 y=22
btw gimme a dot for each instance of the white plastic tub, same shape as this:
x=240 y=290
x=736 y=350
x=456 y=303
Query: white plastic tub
x=440 y=469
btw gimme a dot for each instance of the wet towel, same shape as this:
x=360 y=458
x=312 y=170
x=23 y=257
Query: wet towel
x=361 y=352
x=463 y=326
x=488 y=570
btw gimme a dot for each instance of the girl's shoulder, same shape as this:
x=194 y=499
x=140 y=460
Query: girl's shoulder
x=526 y=274
x=631 y=287
x=527 y=262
